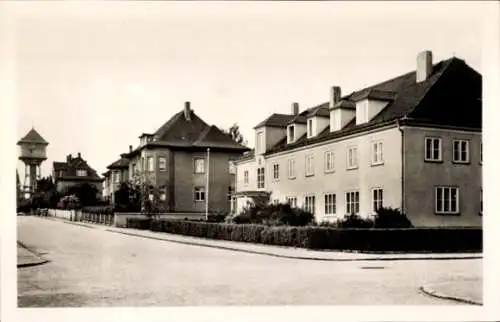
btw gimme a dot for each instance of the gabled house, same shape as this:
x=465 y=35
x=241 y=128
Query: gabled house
x=73 y=172
x=116 y=175
x=189 y=161
x=413 y=142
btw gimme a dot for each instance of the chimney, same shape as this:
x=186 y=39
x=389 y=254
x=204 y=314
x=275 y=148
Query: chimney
x=424 y=65
x=187 y=111
x=335 y=95
x=79 y=155
x=295 y=108
x=129 y=148
x=68 y=158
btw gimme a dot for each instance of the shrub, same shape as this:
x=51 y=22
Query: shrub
x=354 y=221
x=275 y=215
x=391 y=218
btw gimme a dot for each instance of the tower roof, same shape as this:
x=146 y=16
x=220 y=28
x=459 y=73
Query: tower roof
x=33 y=137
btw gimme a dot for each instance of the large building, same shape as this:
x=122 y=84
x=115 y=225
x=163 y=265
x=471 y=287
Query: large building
x=412 y=142
x=178 y=159
x=75 y=171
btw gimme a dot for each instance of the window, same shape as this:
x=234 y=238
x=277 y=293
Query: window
x=309 y=165
x=134 y=169
x=309 y=204
x=163 y=195
x=60 y=173
x=330 y=204
x=291 y=168
x=162 y=164
x=309 y=128
x=377 y=199
x=377 y=154
x=259 y=142
x=230 y=191
x=292 y=201
x=199 y=165
x=151 y=164
x=352 y=157
x=245 y=177
x=232 y=167
x=352 y=202
x=460 y=151
x=81 y=173
x=329 y=161
x=447 y=200
x=260 y=178
x=276 y=201
x=117 y=176
x=199 y=194
x=276 y=171
x=432 y=149
x=291 y=133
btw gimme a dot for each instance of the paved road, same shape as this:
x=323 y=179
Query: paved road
x=92 y=267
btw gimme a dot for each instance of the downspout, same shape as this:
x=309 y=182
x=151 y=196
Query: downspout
x=402 y=166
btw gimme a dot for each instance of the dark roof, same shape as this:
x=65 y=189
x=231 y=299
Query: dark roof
x=451 y=97
x=119 y=164
x=321 y=110
x=276 y=120
x=70 y=167
x=33 y=137
x=178 y=132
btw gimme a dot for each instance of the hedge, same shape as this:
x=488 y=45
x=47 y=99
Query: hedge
x=316 y=237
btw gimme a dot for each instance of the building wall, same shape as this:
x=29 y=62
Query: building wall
x=186 y=181
x=386 y=176
x=421 y=178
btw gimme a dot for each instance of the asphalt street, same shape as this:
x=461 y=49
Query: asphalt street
x=95 y=268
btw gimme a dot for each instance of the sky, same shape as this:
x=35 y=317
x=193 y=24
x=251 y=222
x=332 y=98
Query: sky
x=91 y=77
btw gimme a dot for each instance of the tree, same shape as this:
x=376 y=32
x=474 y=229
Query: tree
x=85 y=192
x=234 y=132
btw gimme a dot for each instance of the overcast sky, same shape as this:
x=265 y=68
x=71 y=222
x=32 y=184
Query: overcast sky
x=92 y=77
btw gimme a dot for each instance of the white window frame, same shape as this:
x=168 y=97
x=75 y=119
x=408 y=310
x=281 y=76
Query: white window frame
x=377 y=153
x=330 y=204
x=309 y=128
x=199 y=194
x=309 y=163
x=377 y=199
x=461 y=151
x=261 y=178
x=81 y=173
x=292 y=201
x=245 y=177
x=308 y=205
x=197 y=169
x=276 y=171
x=291 y=169
x=151 y=164
x=352 y=157
x=329 y=161
x=116 y=176
x=351 y=202
x=446 y=194
x=432 y=157
x=162 y=164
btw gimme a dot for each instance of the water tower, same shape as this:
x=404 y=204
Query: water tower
x=33 y=153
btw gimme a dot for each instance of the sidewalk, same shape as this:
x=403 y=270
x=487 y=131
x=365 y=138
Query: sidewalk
x=27 y=257
x=277 y=251
x=465 y=290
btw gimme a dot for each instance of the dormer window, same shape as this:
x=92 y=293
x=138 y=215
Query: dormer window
x=291 y=133
x=309 y=128
x=259 y=143
x=81 y=173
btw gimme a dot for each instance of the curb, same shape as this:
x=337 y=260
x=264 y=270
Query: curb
x=429 y=291
x=289 y=256
x=40 y=261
